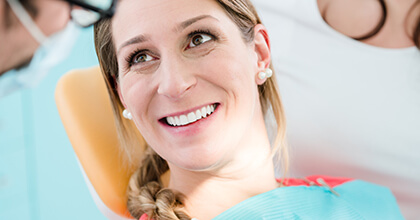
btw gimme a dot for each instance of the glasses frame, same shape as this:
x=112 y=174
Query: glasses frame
x=103 y=13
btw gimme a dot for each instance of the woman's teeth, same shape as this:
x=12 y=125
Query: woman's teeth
x=191 y=117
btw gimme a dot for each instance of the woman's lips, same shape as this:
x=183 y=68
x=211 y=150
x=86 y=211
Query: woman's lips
x=190 y=117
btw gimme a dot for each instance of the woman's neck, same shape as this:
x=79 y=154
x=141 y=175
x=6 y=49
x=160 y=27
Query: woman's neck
x=209 y=194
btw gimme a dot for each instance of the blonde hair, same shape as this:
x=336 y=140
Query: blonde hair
x=146 y=193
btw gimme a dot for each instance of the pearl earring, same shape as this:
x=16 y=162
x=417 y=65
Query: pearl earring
x=267 y=73
x=127 y=114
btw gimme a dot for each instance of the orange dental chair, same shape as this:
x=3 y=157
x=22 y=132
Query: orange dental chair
x=85 y=109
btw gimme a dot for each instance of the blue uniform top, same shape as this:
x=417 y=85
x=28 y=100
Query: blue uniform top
x=350 y=199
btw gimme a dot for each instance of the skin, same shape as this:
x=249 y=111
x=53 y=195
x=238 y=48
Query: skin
x=357 y=18
x=215 y=156
x=17 y=42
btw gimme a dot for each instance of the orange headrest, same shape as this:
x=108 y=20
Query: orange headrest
x=85 y=110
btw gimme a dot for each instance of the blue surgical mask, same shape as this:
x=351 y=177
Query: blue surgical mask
x=52 y=51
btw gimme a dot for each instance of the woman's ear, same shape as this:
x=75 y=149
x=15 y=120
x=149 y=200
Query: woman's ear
x=263 y=51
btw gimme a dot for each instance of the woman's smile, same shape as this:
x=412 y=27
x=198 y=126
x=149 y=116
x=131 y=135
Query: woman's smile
x=192 y=122
x=194 y=115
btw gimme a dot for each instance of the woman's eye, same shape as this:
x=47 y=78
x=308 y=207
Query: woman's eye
x=198 y=39
x=141 y=58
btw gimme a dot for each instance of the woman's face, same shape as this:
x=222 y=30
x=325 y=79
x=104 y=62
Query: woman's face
x=188 y=78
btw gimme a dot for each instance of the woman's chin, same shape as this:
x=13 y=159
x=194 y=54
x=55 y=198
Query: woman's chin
x=202 y=165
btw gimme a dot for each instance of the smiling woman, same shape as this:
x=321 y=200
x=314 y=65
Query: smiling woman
x=196 y=82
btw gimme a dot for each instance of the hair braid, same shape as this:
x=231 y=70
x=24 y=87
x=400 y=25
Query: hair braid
x=146 y=194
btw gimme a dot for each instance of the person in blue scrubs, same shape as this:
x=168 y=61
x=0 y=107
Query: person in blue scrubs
x=39 y=175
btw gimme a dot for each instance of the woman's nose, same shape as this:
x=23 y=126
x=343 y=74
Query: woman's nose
x=176 y=78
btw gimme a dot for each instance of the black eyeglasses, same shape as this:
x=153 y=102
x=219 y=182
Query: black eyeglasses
x=91 y=11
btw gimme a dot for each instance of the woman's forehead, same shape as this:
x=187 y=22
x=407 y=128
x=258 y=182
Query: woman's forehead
x=146 y=17
x=164 y=10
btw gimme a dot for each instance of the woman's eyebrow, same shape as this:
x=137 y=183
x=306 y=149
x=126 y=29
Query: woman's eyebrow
x=135 y=40
x=191 y=21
